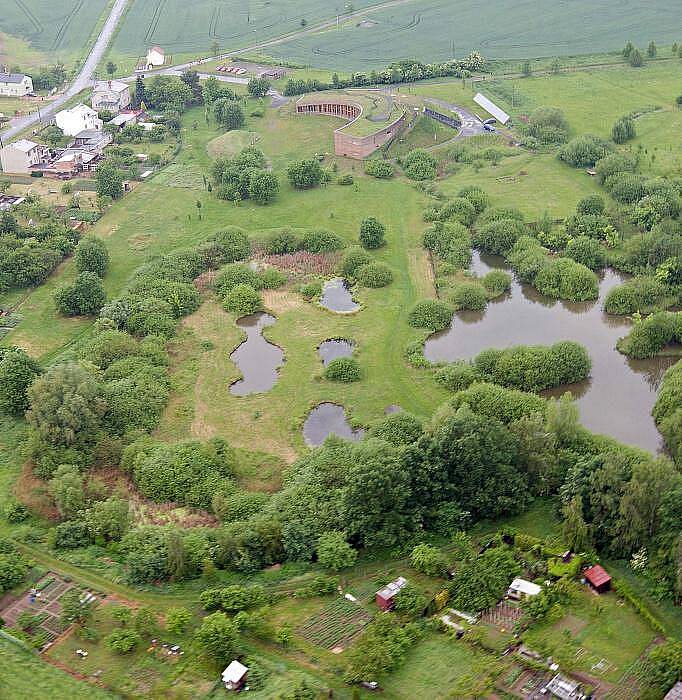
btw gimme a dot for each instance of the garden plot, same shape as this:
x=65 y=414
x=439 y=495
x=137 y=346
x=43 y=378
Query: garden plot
x=335 y=625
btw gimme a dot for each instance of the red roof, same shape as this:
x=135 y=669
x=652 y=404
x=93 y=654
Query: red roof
x=596 y=575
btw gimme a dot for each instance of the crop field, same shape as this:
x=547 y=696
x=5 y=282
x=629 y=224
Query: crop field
x=182 y=27
x=435 y=30
x=336 y=624
x=55 y=28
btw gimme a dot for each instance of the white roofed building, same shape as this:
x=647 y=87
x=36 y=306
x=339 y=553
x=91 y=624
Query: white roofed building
x=23 y=155
x=519 y=589
x=234 y=676
x=156 y=57
x=79 y=118
x=15 y=84
x=112 y=95
x=490 y=107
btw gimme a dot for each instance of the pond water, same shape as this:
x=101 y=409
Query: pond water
x=258 y=359
x=393 y=408
x=333 y=349
x=327 y=419
x=336 y=296
x=615 y=400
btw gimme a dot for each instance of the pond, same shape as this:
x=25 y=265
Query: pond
x=258 y=359
x=327 y=419
x=336 y=296
x=615 y=400
x=334 y=348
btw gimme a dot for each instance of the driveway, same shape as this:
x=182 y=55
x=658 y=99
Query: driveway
x=471 y=124
x=83 y=80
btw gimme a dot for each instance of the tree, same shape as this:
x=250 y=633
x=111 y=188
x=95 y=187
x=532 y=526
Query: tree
x=91 y=256
x=228 y=113
x=191 y=79
x=428 y=560
x=218 y=638
x=109 y=519
x=72 y=608
x=146 y=621
x=177 y=620
x=122 y=641
x=122 y=614
x=333 y=552
x=84 y=297
x=576 y=532
x=305 y=174
x=526 y=69
x=623 y=130
x=109 y=180
x=635 y=59
x=139 y=96
x=17 y=372
x=263 y=186
x=372 y=233
x=258 y=87
x=662 y=667
x=651 y=50
x=66 y=487
x=242 y=299
x=111 y=68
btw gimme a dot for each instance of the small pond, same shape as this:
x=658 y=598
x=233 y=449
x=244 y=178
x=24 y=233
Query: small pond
x=333 y=349
x=258 y=359
x=327 y=419
x=615 y=400
x=393 y=408
x=336 y=296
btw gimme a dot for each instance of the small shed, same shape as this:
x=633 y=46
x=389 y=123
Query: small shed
x=597 y=577
x=385 y=597
x=234 y=676
x=564 y=688
x=519 y=589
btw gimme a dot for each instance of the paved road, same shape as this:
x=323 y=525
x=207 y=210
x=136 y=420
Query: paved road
x=471 y=124
x=83 y=80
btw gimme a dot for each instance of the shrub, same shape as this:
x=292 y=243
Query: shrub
x=627 y=188
x=419 y=165
x=499 y=213
x=305 y=174
x=428 y=560
x=16 y=512
x=641 y=294
x=234 y=274
x=584 y=151
x=311 y=290
x=400 y=428
x=374 y=275
x=91 y=256
x=592 y=225
x=457 y=376
x=476 y=196
x=592 y=204
x=281 y=242
x=321 y=241
x=346 y=179
x=354 y=259
x=547 y=125
x=623 y=130
x=372 y=233
x=497 y=282
x=334 y=552
x=85 y=297
x=17 y=372
x=379 y=168
x=460 y=209
x=123 y=641
x=469 y=295
x=430 y=313
x=614 y=163
x=498 y=237
x=499 y=402
x=651 y=335
x=72 y=534
x=563 y=278
x=450 y=242
x=242 y=299
x=343 y=369
x=587 y=252
x=271 y=278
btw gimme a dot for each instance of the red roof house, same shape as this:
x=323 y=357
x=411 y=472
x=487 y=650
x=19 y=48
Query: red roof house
x=385 y=597
x=597 y=577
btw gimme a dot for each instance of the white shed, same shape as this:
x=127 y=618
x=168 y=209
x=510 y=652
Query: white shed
x=234 y=675
x=490 y=107
x=156 y=57
x=520 y=588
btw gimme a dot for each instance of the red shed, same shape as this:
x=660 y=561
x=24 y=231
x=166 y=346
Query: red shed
x=384 y=597
x=598 y=578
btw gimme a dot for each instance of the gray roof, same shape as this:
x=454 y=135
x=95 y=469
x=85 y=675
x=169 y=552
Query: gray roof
x=24 y=145
x=11 y=77
x=675 y=693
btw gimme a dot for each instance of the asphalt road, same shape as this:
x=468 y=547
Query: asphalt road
x=83 y=80
x=471 y=124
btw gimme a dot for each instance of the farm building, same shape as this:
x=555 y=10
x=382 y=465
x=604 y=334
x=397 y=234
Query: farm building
x=675 y=693
x=79 y=118
x=385 y=597
x=15 y=85
x=234 y=676
x=490 y=107
x=23 y=155
x=564 y=688
x=112 y=95
x=597 y=577
x=519 y=589
x=156 y=57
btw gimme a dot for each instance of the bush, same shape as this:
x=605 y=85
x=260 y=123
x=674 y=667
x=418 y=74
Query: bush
x=476 y=196
x=372 y=233
x=428 y=560
x=72 y=534
x=499 y=402
x=496 y=282
x=343 y=369
x=469 y=295
x=374 y=275
x=460 y=209
x=419 y=165
x=457 y=376
x=563 y=278
x=16 y=512
x=85 y=297
x=305 y=174
x=591 y=225
x=641 y=294
x=311 y=290
x=623 y=130
x=91 y=256
x=547 y=125
x=354 y=259
x=346 y=179
x=430 y=313
x=321 y=241
x=123 y=641
x=242 y=299
x=379 y=168
x=592 y=204
x=614 y=163
x=587 y=252
x=498 y=237
x=626 y=188
x=450 y=242
x=400 y=428
x=234 y=274
x=271 y=278
x=650 y=336
x=584 y=151
x=282 y=242
x=334 y=552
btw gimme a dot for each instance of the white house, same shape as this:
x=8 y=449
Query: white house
x=520 y=588
x=15 y=84
x=234 y=676
x=112 y=95
x=156 y=57
x=79 y=118
x=23 y=155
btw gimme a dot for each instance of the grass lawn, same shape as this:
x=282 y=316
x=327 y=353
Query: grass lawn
x=425 y=133
x=26 y=675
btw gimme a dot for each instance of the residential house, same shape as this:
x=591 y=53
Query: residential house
x=92 y=140
x=156 y=57
x=110 y=95
x=385 y=598
x=519 y=589
x=597 y=577
x=79 y=118
x=234 y=676
x=23 y=155
x=15 y=84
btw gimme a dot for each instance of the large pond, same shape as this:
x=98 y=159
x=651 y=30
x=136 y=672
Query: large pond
x=615 y=400
x=333 y=349
x=258 y=359
x=327 y=419
x=336 y=296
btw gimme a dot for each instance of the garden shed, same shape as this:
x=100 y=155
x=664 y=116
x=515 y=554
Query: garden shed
x=597 y=577
x=234 y=676
x=385 y=596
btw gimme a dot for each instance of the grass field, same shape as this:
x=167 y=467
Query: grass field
x=58 y=30
x=25 y=675
x=434 y=30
